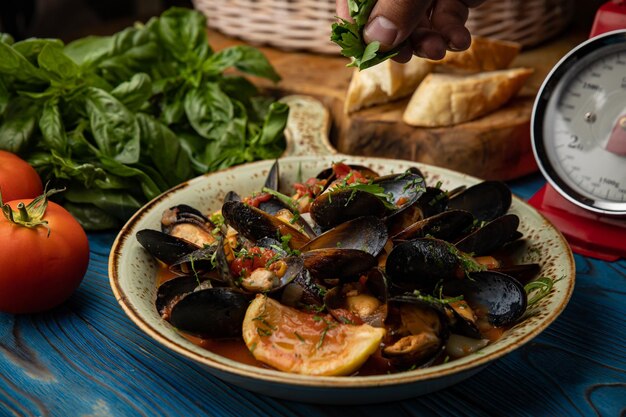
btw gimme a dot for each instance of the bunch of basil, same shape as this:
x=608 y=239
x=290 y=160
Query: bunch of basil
x=117 y=120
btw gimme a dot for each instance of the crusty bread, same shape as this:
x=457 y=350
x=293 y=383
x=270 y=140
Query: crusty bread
x=449 y=99
x=385 y=82
x=484 y=54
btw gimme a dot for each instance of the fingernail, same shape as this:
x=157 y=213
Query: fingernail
x=382 y=30
x=452 y=47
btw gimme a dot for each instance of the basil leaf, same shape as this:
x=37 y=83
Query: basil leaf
x=270 y=141
x=91 y=217
x=5 y=96
x=18 y=124
x=6 y=38
x=164 y=149
x=113 y=126
x=183 y=33
x=51 y=126
x=13 y=64
x=56 y=63
x=31 y=48
x=147 y=184
x=135 y=92
x=121 y=205
x=245 y=58
x=209 y=111
x=87 y=51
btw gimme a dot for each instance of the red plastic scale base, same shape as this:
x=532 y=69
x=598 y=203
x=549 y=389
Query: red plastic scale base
x=589 y=234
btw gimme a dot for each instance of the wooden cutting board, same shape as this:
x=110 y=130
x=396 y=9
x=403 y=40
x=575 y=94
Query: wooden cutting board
x=496 y=146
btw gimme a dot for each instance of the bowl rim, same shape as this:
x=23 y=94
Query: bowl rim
x=232 y=367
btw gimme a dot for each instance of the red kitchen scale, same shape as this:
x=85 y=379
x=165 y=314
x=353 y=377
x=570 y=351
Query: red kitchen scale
x=578 y=133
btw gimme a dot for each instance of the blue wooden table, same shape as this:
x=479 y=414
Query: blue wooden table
x=86 y=358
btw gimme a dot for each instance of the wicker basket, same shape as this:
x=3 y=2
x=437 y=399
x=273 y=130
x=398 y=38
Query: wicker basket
x=286 y=24
x=305 y=24
x=528 y=22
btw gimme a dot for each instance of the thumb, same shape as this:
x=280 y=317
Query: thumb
x=392 y=21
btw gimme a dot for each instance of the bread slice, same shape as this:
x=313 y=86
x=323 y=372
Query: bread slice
x=385 y=82
x=484 y=54
x=449 y=99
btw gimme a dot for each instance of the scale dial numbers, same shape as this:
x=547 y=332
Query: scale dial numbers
x=582 y=149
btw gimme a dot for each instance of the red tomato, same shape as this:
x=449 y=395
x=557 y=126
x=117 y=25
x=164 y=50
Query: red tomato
x=17 y=178
x=39 y=271
x=256 y=258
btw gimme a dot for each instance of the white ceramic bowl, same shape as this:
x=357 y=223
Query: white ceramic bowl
x=133 y=280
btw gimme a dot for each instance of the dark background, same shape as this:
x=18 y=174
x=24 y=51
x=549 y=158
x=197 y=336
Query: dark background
x=72 y=19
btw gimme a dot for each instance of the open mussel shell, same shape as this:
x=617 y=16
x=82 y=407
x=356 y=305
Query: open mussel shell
x=361 y=301
x=445 y=226
x=421 y=263
x=367 y=233
x=197 y=262
x=337 y=262
x=187 y=223
x=490 y=237
x=430 y=203
x=501 y=297
x=404 y=189
x=487 y=200
x=173 y=290
x=329 y=175
x=166 y=248
x=210 y=313
x=295 y=266
x=255 y=224
x=338 y=206
x=418 y=331
x=231 y=196
x=303 y=292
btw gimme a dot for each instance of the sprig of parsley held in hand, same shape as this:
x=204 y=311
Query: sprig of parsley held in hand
x=349 y=36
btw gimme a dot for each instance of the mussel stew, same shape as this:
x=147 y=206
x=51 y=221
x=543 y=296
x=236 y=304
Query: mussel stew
x=348 y=273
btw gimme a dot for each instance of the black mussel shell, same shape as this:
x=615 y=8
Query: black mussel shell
x=335 y=207
x=501 y=296
x=337 y=262
x=367 y=233
x=231 y=196
x=304 y=292
x=524 y=273
x=422 y=263
x=487 y=200
x=172 y=290
x=409 y=316
x=254 y=224
x=445 y=226
x=490 y=237
x=197 y=262
x=211 y=313
x=404 y=189
x=166 y=248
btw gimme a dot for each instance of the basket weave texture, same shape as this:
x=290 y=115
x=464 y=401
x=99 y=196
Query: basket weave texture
x=305 y=24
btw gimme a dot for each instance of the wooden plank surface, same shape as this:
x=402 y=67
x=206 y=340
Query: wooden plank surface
x=496 y=146
x=86 y=358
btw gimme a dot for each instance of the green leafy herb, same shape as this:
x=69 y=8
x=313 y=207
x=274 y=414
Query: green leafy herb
x=299 y=337
x=538 y=289
x=119 y=119
x=433 y=299
x=349 y=36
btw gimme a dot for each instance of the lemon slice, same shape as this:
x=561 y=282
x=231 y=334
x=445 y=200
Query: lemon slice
x=312 y=344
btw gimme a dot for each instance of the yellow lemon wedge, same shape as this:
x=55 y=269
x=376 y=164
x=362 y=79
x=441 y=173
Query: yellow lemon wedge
x=299 y=342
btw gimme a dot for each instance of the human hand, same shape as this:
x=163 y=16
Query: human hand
x=422 y=27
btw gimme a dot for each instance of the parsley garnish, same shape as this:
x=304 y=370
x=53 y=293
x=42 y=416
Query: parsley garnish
x=349 y=36
x=539 y=288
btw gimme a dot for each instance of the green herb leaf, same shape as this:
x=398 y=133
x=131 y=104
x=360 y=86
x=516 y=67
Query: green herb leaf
x=349 y=36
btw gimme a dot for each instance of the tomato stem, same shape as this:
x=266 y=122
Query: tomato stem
x=24 y=216
x=29 y=215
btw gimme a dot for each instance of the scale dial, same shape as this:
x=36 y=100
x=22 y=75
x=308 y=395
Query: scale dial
x=579 y=125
